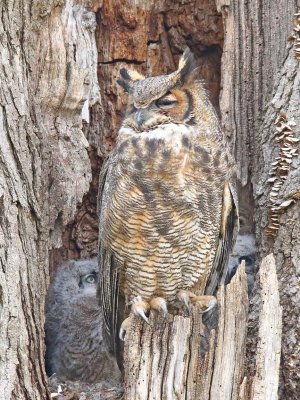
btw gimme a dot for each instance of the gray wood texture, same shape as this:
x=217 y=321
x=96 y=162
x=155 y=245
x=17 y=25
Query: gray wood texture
x=47 y=72
x=260 y=80
x=167 y=359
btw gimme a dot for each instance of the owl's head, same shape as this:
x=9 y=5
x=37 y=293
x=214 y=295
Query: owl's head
x=161 y=99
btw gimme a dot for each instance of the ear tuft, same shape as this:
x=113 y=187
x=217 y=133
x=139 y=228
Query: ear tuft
x=125 y=85
x=131 y=75
x=186 y=64
x=124 y=74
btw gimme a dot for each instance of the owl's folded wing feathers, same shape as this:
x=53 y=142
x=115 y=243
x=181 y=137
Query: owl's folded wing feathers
x=228 y=231
x=108 y=291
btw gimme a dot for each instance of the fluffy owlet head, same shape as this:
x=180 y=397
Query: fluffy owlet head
x=73 y=327
x=161 y=99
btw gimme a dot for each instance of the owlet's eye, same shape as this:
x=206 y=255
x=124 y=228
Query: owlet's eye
x=91 y=278
x=166 y=102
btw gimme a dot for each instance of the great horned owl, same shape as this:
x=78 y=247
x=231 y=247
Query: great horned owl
x=73 y=327
x=168 y=204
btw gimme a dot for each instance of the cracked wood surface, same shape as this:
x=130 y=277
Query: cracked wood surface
x=176 y=358
x=266 y=379
x=183 y=358
x=260 y=80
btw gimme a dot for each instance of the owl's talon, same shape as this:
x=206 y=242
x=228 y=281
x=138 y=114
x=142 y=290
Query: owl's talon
x=206 y=303
x=159 y=304
x=140 y=307
x=122 y=334
x=139 y=311
x=184 y=296
x=124 y=326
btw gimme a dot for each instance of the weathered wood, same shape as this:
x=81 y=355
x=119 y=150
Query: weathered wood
x=179 y=358
x=228 y=366
x=266 y=380
x=176 y=358
x=47 y=71
x=260 y=79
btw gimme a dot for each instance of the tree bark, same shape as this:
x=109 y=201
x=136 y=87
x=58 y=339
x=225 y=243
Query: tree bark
x=47 y=72
x=261 y=116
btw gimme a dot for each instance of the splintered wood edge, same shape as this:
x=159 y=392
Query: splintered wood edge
x=266 y=380
x=228 y=368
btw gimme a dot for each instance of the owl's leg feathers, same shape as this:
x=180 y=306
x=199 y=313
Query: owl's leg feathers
x=159 y=304
x=206 y=303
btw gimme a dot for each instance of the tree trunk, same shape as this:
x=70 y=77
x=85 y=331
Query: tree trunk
x=47 y=72
x=261 y=116
x=176 y=358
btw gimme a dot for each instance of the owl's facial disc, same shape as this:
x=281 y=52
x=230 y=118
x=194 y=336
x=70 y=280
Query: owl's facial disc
x=175 y=106
x=161 y=99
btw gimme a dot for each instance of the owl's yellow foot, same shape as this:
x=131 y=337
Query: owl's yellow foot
x=206 y=303
x=159 y=304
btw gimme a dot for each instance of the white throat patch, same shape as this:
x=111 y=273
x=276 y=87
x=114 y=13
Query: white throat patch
x=171 y=133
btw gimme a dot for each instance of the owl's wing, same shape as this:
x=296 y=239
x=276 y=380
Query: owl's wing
x=228 y=231
x=108 y=275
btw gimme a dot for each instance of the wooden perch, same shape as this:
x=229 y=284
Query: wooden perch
x=173 y=359
x=182 y=358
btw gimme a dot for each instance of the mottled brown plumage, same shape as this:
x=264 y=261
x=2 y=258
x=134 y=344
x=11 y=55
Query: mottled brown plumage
x=168 y=205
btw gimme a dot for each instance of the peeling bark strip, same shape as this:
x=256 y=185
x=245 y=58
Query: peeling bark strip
x=166 y=360
x=285 y=136
x=228 y=367
x=265 y=382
